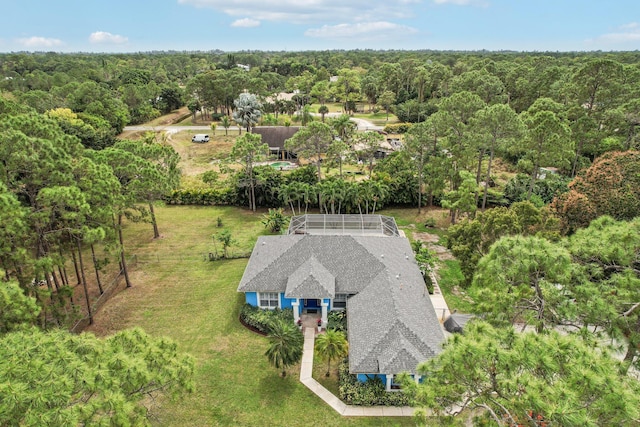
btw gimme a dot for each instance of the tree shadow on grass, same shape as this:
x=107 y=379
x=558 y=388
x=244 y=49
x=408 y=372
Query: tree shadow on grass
x=274 y=389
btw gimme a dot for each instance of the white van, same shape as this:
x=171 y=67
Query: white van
x=200 y=137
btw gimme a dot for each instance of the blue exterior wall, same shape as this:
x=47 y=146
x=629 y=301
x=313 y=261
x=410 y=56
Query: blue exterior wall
x=286 y=302
x=363 y=377
x=251 y=298
x=327 y=301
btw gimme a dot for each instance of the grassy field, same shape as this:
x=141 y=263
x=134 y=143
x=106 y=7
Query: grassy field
x=177 y=293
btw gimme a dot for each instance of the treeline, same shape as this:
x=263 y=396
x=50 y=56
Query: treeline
x=134 y=88
x=61 y=201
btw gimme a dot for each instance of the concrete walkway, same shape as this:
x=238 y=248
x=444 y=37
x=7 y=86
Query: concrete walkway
x=438 y=301
x=306 y=370
x=332 y=400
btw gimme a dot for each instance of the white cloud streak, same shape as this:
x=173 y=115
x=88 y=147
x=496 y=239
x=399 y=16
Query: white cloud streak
x=309 y=11
x=623 y=35
x=246 y=23
x=463 y=2
x=361 y=31
x=107 y=38
x=39 y=42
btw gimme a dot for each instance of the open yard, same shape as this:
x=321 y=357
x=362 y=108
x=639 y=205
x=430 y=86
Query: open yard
x=178 y=293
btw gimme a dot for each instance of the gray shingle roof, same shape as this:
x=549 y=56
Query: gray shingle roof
x=276 y=258
x=392 y=323
x=311 y=280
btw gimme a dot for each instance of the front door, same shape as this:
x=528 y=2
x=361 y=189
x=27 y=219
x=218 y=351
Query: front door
x=311 y=303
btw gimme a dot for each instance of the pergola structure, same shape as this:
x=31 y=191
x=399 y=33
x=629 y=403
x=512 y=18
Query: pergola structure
x=346 y=225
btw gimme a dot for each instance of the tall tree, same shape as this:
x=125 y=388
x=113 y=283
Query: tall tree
x=248 y=149
x=546 y=143
x=67 y=379
x=367 y=145
x=248 y=110
x=497 y=125
x=455 y=113
x=463 y=199
x=421 y=142
x=607 y=296
x=161 y=176
x=526 y=379
x=610 y=186
x=17 y=310
x=387 y=99
x=311 y=142
x=524 y=280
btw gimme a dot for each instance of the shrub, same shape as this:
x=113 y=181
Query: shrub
x=261 y=319
x=370 y=393
x=397 y=128
x=546 y=189
x=337 y=320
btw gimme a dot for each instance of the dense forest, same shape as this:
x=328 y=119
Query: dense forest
x=565 y=124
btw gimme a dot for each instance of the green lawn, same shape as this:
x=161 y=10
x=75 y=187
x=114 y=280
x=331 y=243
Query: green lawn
x=177 y=293
x=451 y=279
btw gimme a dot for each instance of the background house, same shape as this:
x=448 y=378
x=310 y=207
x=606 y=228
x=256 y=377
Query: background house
x=274 y=137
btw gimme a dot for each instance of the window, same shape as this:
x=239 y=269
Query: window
x=395 y=383
x=268 y=299
x=340 y=301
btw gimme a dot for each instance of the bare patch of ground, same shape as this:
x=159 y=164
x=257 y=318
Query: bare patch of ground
x=431 y=239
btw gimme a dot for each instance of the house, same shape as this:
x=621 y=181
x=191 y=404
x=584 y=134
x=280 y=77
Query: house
x=358 y=263
x=274 y=137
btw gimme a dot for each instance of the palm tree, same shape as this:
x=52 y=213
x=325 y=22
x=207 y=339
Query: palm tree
x=285 y=345
x=248 y=110
x=323 y=109
x=226 y=123
x=344 y=127
x=330 y=346
x=305 y=115
x=275 y=220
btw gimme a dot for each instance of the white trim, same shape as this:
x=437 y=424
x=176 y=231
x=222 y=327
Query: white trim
x=269 y=307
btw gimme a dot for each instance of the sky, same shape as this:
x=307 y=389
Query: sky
x=294 y=25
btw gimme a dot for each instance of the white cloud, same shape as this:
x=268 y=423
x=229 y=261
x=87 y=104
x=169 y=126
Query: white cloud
x=623 y=35
x=361 y=31
x=245 y=23
x=630 y=26
x=105 y=37
x=39 y=42
x=307 y=11
x=481 y=3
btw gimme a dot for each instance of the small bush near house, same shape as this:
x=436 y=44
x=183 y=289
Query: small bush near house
x=261 y=320
x=337 y=320
x=370 y=393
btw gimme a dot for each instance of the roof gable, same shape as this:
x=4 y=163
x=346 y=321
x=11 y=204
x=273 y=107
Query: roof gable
x=352 y=265
x=311 y=280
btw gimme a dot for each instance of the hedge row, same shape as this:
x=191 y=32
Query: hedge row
x=207 y=196
x=261 y=320
x=397 y=128
x=370 y=393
